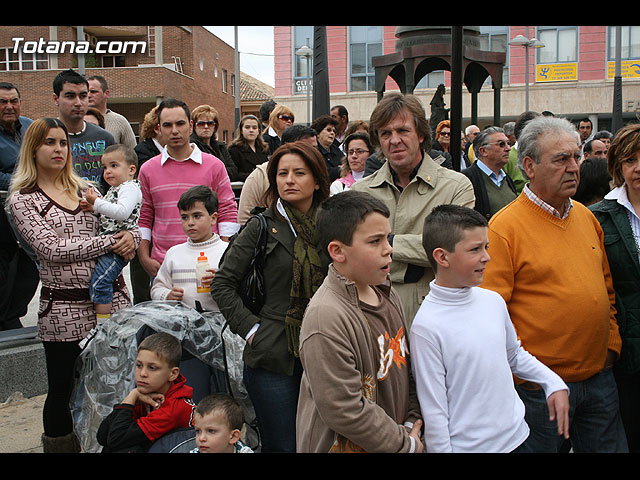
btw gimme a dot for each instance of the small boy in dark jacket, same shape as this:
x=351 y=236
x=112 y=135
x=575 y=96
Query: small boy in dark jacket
x=160 y=402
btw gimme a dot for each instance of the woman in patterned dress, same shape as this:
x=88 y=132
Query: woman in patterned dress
x=44 y=203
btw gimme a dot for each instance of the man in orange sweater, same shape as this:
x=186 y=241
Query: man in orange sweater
x=549 y=264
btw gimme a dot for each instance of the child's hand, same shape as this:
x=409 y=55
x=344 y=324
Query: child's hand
x=207 y=278
x=415 y=433
x=91 y=195
x=85 y=206
x=176 y=293
x=559 y=410
x=151 y=401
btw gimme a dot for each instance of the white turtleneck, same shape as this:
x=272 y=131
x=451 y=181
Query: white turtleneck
x=464 y=351
x=178 y=269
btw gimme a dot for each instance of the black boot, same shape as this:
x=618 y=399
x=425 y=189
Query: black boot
x=66 y=444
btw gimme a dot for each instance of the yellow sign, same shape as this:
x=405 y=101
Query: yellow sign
x=628 y=69
x=557 y=72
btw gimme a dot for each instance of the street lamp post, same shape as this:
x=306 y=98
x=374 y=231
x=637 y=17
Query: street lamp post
x=306 y=52
x=522 y=41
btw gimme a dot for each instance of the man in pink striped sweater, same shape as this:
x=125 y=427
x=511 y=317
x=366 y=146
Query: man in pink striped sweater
x=163 y=178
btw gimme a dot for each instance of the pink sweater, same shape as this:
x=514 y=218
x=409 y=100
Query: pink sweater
x=162 y=183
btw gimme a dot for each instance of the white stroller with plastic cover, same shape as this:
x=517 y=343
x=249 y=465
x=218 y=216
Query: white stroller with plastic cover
x=105 y=368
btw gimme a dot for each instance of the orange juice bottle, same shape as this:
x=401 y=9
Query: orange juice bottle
x=201 y=269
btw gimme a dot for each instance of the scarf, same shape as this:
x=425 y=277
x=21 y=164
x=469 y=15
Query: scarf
x=308 y=271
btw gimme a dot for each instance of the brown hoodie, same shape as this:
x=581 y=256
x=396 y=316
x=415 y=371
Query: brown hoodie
x=357 y=392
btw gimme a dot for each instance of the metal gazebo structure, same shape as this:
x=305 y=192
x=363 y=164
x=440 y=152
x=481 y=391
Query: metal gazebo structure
x=423 y=49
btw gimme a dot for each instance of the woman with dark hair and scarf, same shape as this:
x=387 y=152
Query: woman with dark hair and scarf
x=294 y=268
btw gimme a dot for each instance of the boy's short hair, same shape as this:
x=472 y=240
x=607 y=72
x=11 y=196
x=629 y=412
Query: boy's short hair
x=68 y=76
x=444 y=227
x=165 y=346
x=339 y=215
x=199 y=193
x=227 y=405
x=130 y=155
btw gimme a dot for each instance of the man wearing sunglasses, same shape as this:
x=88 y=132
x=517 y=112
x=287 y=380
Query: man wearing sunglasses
x=492 y=186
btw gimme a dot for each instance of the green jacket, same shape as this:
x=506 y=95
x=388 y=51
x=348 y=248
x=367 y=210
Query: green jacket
x=514 y=171
x=268 y=348
x=622 y=254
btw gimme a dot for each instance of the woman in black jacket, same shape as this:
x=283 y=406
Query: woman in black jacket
x=205 y=127
x=151 y=142
x=619 y=215
x=325 y=127
x=294 y=267
x=248 y=149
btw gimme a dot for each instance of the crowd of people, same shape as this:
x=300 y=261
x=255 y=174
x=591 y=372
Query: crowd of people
x=404 y=306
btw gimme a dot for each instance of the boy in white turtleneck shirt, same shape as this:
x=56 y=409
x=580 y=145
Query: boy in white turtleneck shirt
x=465 y=350
x=176 y=279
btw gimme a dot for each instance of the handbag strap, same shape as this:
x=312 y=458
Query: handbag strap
x=261 y=244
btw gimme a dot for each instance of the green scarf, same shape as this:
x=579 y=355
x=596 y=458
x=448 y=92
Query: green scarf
x=308 y=271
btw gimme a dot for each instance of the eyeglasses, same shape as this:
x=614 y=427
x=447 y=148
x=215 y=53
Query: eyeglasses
x=445 y=134
x=358 y=152
x=500 y=143
x=286 y=118
x=203 y=123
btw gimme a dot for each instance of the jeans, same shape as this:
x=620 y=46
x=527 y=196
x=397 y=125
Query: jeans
x=203 y=378
x=107 y=270
x=629 y=392
x=595 y=425
x=275 y=400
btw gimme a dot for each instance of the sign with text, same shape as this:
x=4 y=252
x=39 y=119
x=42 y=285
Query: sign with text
x=557 y=72
x=300 y=86
x=628 y=69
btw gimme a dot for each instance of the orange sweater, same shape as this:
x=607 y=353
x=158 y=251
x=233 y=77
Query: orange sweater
x=555 y=278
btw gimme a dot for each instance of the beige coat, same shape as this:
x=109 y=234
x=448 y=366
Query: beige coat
x=432 y=185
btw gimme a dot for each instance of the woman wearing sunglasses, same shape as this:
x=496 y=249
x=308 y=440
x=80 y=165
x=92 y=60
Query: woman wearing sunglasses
x=280 y=119
x=205 y=126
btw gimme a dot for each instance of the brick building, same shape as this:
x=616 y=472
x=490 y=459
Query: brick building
x=572 y=75
x=142 y=65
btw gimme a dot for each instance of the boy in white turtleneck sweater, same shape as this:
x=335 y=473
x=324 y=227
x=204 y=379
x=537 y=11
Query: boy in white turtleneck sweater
x=465 y=350
x=176 y=278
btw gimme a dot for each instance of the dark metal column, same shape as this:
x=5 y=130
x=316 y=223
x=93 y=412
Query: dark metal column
x=616 y=120
x=455 y=148
x=320 y=74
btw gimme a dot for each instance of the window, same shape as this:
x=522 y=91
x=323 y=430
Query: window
x=495 y=39
x=431 y=80
x=112 y=61
x=10 y=60
x=302 y=70
x=630 y=44
x=224 y=80
x=560 y=44
x=365 y=43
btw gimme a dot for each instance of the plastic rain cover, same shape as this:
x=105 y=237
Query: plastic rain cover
x=105 y=368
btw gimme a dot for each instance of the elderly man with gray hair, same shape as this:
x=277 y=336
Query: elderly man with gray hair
x=492 y=187
x=548 y=262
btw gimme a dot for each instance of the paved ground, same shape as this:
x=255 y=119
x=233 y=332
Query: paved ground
x=21 y=424
x=21 y=418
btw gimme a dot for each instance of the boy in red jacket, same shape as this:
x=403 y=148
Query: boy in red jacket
x=160 y=402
